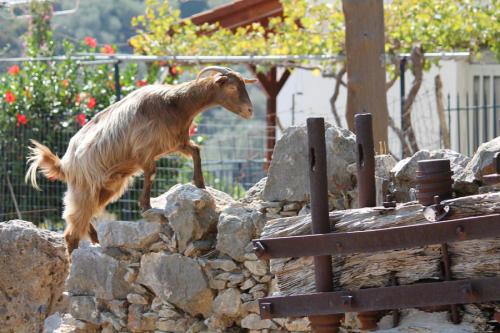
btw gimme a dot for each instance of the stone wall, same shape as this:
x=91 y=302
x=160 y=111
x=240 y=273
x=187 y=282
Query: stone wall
x=187 y=267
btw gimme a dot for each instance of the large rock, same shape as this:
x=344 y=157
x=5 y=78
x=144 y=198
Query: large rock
x=126 y=234
x=33 y=267
x=191 y=212
x=177 y=279
x=238 y=225
x=94 y=273
x=254 y=194
x=481 y=163
x=288 y=178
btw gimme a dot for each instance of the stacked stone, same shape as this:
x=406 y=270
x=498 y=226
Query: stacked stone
x=187 y=267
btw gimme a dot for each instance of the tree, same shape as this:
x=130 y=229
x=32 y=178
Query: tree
x=365 y=69
x=313 y=27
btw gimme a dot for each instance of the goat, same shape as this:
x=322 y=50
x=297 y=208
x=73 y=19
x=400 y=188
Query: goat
x=129 y=136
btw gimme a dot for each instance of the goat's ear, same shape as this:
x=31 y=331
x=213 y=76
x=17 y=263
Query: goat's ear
x=220 y=79
x=250 y=81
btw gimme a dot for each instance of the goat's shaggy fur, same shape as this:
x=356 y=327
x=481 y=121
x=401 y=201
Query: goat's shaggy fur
x=129 y=137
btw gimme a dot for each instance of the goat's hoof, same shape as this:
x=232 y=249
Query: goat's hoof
x=145 y=210
x=202 y=185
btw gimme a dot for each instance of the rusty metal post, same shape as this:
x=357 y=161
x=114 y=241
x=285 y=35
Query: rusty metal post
x=365 y=160
x=367 y=197
x=320 y=218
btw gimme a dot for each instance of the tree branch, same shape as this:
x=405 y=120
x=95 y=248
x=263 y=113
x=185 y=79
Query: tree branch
x=333 y=99
x=418 y=61
x=399 y=133
x=397 y=73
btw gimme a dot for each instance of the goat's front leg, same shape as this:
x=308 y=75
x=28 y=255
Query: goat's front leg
x=149 y=175
x=194 y=151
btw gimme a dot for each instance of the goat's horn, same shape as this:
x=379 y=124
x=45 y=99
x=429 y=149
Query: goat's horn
x=223 y=70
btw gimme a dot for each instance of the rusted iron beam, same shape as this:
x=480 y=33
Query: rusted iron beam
x=477 y=227
x=385 y=298
x=365 y=160
x=323 y=271
x=367 y=197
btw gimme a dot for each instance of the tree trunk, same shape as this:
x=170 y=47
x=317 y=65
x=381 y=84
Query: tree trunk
x=366 y=64
x=445 y=134
x=417 y=60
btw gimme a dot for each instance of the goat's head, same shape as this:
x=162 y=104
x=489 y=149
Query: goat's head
x=231 y=91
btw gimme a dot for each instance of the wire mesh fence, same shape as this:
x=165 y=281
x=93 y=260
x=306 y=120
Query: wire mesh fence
x=233 y=160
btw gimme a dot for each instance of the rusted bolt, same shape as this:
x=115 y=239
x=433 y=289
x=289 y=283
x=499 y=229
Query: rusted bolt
x=467 y=289
x=460 y=231
x=439 y=206
x=266 y=310
x=347 y=300
x=389 y=201
x=259 y=248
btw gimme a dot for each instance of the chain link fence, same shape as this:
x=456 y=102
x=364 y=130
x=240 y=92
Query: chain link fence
x=233 y=161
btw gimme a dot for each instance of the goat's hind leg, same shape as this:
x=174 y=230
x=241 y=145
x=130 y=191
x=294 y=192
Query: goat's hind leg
x=93 y=234
x=80 y=208
x=149 y=175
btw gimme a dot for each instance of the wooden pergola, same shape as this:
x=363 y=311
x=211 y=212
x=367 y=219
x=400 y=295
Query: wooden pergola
x=242 y=13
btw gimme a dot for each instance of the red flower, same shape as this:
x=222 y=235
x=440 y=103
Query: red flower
x=13 y=70
x=10 y=97
x=21 y=120
x=81 y=119
x=90 y=41
x=141 y=83
x=78 y=99
x=91 y=103
x=65 y=83
x=173 y=70
x=108 y=49
x=193 y=129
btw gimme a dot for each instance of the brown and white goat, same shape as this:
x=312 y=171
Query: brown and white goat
x=130 y=136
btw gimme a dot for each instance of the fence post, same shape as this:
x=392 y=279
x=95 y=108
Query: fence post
x=402 y=92
x=365 y=161
x=485 y=117
x=468 y=122
x=320 y=218
x=495 y=119
x=458 y=123
x=118 y=87
x=449 y=117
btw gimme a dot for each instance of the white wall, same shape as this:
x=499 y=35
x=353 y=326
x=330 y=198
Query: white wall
x=456 y=77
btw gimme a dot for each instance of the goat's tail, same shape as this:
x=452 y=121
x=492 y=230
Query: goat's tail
x=42 y=158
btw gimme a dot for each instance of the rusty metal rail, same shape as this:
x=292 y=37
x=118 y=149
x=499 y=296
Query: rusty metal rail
x=394 y=238
x=409 y=296
x=324 y=308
